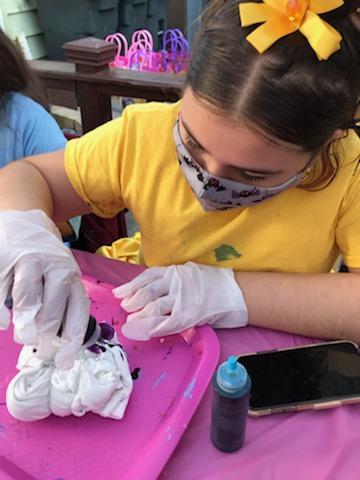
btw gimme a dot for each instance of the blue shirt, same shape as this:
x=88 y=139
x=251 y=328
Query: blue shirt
x=26 y=129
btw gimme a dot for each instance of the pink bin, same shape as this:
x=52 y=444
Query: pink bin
x=172 y=378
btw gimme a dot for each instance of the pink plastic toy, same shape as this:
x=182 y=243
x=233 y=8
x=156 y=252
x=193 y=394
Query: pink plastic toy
x=121 y=57
x=140 y=55
x=143 y=37
x=176 y=49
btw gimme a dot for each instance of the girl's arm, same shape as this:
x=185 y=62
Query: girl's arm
x=316 y=305
x=40 y=182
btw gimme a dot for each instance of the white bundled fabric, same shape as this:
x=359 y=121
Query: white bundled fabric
x=98 y=382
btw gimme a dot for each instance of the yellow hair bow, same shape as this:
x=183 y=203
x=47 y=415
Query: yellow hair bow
x=282 y=17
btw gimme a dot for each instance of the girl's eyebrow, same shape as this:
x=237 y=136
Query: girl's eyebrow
x=250 y=170
x=191 y=135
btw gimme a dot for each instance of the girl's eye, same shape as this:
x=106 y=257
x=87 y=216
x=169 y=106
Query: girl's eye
x=193 y=145
x=251 y=178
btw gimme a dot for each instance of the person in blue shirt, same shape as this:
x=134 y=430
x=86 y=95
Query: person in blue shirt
x=26 y=126
x=26 y=129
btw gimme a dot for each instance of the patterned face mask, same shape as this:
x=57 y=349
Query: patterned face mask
x=216 y=193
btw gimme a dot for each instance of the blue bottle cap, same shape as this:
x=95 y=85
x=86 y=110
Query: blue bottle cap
x=232 y=376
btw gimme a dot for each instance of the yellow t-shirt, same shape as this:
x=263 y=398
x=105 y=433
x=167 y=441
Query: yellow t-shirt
x=131 y=162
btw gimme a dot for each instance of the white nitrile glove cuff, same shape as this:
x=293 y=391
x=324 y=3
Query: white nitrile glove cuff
x=237 y=313
x=11 y=220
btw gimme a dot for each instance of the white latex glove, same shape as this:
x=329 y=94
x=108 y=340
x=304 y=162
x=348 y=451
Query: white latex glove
x=168 y=300
x=44 y=281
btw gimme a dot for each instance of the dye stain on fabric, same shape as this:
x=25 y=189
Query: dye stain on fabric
x=226 y=252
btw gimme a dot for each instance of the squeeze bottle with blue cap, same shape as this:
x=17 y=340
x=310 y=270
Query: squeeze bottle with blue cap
x=232 y=387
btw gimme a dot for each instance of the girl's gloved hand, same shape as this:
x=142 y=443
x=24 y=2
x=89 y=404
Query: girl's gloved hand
x=44 y=281
x=168 y=300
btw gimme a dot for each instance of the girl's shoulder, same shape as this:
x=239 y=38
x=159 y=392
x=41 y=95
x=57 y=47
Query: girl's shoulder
x=17 y=100
x=19 y=109
x=153 y=114
x=32 y=129
x=154 y=108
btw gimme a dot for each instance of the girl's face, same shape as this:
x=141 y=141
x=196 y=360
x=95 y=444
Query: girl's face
x=231 y=150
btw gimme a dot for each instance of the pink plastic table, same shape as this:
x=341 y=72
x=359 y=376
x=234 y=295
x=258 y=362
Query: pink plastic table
x=322 y=445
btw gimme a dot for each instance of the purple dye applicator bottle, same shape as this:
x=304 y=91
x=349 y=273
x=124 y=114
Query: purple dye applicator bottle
x=93 y=332
x=232 y=387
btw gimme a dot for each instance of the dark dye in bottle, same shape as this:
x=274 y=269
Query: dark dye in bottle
x=232 y=386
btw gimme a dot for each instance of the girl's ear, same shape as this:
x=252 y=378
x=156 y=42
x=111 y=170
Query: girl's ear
x=339 y=133
x=355 y=18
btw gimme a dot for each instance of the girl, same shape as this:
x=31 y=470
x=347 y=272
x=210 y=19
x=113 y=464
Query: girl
x=23 y=109
x=26 y=126
x=246 y=191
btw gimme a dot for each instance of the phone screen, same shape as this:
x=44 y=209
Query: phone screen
x=320 y=372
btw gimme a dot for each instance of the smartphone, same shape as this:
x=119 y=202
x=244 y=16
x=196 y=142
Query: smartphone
x=323 y=375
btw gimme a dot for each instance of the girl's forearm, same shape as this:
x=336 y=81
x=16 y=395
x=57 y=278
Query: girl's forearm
x=316 y=305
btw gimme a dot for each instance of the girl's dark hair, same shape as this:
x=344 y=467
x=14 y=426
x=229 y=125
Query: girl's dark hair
x=16 y=74
x=286 y=91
